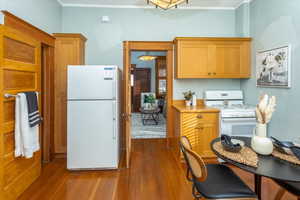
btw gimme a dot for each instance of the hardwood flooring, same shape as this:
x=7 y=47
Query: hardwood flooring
x=154 y=175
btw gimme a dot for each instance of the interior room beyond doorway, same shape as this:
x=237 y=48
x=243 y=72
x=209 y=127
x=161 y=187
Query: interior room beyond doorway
x=148 y=94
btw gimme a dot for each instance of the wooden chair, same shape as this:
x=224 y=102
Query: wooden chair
x=213 y=181
x=291 y=187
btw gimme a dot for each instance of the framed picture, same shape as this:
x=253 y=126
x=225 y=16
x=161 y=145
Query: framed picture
x=273 y=68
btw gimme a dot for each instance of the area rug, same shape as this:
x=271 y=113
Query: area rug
x=138 y=130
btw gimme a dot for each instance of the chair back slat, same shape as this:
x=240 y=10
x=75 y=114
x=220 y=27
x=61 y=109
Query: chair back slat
x=194 y=162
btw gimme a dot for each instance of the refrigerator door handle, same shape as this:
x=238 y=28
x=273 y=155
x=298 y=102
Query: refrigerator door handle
x=114 y=85
x=114 y=119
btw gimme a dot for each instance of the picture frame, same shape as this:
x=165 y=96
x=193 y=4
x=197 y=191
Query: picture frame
x=273 y=67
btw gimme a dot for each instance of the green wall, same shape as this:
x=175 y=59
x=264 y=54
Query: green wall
x=274 y=23
x=45 y=14
x=242 y=20
x=104 y=45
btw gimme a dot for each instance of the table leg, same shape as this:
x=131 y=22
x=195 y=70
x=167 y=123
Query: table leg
x=258 y=185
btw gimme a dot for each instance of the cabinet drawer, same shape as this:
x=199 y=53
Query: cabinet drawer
x=195 y=118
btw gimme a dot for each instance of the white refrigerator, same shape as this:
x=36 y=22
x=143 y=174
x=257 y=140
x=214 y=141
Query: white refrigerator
x=93 y=117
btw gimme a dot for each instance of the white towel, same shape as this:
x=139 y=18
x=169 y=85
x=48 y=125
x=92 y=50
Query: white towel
x=26 y=138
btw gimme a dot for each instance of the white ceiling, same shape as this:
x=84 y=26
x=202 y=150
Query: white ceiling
x=193 y=4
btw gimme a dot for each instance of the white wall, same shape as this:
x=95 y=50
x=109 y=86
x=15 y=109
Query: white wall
x=44 y=14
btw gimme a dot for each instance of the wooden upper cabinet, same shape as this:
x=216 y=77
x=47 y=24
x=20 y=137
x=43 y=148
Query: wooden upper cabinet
x=212 y=57
x=69 y=50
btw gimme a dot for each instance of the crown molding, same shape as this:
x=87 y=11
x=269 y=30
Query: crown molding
x=242 y=3
x=152 y=7
x=142 y=7
x=60 y=2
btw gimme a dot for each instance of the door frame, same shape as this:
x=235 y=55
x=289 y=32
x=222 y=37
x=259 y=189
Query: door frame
x=47 y=75
x=128 y=47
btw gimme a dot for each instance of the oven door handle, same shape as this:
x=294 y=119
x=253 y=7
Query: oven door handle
x=239 y=119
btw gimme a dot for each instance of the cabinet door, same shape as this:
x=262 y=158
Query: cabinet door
x=228 y=59
x=205 y=134
x=200 y=129
x=194 y=59
x=232 y=60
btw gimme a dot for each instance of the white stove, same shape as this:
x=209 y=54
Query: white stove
x=236 y=118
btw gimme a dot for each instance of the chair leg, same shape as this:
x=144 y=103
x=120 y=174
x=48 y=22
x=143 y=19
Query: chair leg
x=196 y=195
x=280 y=194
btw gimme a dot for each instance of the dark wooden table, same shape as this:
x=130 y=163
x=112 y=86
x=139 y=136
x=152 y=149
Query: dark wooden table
x=150 y=115
x=268 y=166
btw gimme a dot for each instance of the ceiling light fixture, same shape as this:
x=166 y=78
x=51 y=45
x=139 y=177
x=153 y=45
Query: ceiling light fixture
x=147 y=58
x=166 y=4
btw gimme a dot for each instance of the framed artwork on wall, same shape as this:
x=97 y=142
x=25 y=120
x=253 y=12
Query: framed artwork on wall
x=273 y=67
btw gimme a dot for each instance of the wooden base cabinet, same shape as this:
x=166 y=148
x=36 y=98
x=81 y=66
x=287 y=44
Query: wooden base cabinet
x=69 y=50
x=200 y=129
x=213 y=57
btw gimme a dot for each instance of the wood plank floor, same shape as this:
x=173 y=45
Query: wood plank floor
x=154 y=175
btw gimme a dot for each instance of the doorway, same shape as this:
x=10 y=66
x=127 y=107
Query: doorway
x=148 y=94
x=128 y=81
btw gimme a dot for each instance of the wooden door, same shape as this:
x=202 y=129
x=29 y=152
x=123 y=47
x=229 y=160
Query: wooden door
x=69 y=50
x=142 y=83
x=126 y=114
x=20 y=70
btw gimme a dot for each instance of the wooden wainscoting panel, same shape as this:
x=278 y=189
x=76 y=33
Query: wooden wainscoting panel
x=20 y=70
x=19 y=80
x=19 y=51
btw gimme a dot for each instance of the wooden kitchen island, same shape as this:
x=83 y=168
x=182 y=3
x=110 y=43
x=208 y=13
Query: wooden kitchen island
x=200 y=125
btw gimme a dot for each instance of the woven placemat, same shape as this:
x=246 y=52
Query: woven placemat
x=290 y=158
x=246 y=156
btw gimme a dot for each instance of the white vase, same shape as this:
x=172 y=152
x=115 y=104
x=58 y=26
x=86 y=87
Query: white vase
x=260 y=143
x=188 y=102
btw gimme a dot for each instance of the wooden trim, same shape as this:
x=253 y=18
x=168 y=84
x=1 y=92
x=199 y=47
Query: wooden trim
x=212 y=39
x=70 y=35
x=48 y=102
x=151 y=46
x=156 y=46
x=17 y=23
x=157 y=77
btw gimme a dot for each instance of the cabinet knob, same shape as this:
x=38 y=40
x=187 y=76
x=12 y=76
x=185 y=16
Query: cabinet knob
x=209 y=73
x=199 y=116
x=215 y=73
